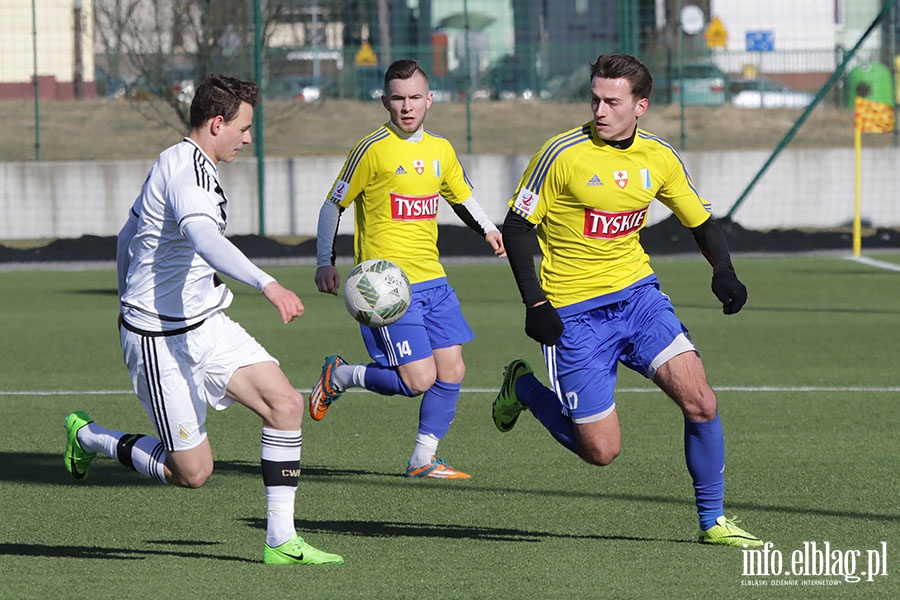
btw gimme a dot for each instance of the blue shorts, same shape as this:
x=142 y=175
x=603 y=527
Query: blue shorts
x=433 y=320
x=641 y=332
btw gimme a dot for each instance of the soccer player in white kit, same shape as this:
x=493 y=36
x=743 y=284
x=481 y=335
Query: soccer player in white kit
x=182 y=352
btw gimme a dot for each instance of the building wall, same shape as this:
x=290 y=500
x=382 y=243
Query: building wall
x=806 y=33
x=498 y=34
x=53 y=45
x=803 y=188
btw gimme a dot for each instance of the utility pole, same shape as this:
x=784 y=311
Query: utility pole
x=37 y=89
x=259 y=139
x=78 y=76
x=384 y=30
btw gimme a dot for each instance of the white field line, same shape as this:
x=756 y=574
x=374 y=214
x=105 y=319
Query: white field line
x=748 y=389
x=878 y=264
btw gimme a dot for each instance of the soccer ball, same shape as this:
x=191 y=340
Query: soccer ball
x=376 y=292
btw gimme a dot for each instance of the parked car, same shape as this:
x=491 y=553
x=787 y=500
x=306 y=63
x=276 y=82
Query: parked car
x=109 y=86
x=765 y=93
x=182 y=82
x=703 y=84
x=446 y=88
x=290 y=87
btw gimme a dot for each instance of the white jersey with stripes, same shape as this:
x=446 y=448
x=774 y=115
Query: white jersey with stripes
x=168 y=286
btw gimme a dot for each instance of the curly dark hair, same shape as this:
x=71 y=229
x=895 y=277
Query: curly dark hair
x=221 y=95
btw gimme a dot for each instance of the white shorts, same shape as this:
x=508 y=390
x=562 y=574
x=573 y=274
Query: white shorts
x=177 y=376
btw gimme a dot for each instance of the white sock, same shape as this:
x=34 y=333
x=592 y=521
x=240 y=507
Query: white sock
x=143 y=453
x=424 y=450
x=348 y=376
x=94 y=438
x=359 y=376
x=280 y=514
x=280 y=453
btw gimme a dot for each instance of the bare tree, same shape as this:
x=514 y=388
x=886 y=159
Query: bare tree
x=158 y=50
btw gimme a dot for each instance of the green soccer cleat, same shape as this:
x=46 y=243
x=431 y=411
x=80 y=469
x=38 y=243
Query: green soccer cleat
x=506 y=407
x=77 y=460
x=726 y=533
x=295 y=551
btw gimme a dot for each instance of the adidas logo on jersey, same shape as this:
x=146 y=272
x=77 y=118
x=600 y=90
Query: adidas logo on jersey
x=594 y=181
x=400 y=171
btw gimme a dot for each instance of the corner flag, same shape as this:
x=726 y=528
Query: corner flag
x=871 y=117
x=874 y=117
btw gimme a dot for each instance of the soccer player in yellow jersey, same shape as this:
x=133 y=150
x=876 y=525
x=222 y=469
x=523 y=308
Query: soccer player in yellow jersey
x=597 y=302
x=396 y=177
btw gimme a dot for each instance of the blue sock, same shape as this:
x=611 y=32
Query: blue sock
x=438 y=408
x=385 y=381
x=544 y=405
x=704 y=451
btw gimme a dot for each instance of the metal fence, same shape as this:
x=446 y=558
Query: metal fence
x=473 y=50
x=723 y=70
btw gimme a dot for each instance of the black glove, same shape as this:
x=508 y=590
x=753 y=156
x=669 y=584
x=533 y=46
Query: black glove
x=542 y=324
x=729 y=290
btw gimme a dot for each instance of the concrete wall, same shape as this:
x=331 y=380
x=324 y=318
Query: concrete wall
x=803 y=188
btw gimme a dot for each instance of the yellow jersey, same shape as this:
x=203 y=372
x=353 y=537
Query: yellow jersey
x=396 y=185
x=589 y=201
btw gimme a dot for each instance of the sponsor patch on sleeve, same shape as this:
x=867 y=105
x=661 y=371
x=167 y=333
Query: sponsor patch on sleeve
x=526 y=202
x=340 y=190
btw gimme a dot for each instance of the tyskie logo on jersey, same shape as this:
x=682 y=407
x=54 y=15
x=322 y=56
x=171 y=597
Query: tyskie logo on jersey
x=414 y=208
x=601 y=224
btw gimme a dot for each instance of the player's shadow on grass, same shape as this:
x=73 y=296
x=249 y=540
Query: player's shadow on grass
x=253 y=468
x=394 y=529
x=43 y=468
x=110 y=553
x=48 y=469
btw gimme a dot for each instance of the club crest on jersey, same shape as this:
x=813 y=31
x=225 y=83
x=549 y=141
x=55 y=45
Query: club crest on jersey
x=340 y=190
x=419 y=166
x=621 y=178
x=646 y=180
x=601 y=224
x=526 y=202
x=414 y=208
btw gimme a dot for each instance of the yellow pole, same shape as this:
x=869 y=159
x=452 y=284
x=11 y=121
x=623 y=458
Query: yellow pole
x=857 y=223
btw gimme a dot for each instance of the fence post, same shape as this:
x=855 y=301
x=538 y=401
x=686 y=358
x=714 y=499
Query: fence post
x=37 y=95
x=258 y=116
